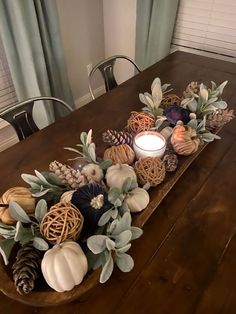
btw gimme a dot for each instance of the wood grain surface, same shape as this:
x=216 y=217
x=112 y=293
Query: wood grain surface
x=184 y=262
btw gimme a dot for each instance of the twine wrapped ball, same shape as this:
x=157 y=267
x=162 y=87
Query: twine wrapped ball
x=121 y=154
x=63 y=222
x=140 y=121
x=170 y=100
x=150 y=170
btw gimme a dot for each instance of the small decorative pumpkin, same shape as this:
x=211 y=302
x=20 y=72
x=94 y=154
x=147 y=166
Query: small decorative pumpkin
x=121 y=154
x=117 y=174
x=176 y=113
x=64 y=266
x=92 y=201
x=137 y=200
x=20 y=195
x=184 y=140
x=92 y=172
x=140 y=121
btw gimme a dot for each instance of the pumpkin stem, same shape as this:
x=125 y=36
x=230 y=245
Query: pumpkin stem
x=97 y=202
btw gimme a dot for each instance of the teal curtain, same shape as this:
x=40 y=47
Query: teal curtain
x=30 y=33
x=154 y=28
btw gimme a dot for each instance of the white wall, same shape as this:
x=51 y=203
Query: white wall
x=91 y=31
x=82 y=30
x=119 y=31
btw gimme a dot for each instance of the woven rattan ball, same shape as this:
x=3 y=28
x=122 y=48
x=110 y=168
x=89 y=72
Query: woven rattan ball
x=63 y=222
x=170 y=100
x=140 y=121
x=121 y=154
x=150 y=170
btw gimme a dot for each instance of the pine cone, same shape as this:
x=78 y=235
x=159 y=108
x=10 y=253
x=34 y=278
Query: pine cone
x=170 y=161
x=26 y=268
x=192 y=88
x=219 y=118
x=115 y=138
x=67 y=174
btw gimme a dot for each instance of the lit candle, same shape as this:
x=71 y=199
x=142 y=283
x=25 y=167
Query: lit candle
x=149 y=143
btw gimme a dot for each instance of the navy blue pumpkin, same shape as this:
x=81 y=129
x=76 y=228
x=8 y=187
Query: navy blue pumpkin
x=92 y=201
x=176 y=113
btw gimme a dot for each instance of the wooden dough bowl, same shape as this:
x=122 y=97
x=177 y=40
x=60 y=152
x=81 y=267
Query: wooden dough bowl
x=44 y=296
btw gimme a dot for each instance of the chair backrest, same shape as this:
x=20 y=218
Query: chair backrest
x=20 y=116
x=106 y=68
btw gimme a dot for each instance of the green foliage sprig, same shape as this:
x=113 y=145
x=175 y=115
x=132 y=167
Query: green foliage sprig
x=200 y=127
x=207 y=101
x=88 y=151
x=153 y=101
x=26 y=229
x=46 y=185
x=110 y=248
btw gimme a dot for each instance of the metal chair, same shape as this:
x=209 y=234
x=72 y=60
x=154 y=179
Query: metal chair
x=106 y=68
x=21 y=118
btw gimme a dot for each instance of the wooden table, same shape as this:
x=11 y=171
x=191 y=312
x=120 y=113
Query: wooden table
x=185 y=261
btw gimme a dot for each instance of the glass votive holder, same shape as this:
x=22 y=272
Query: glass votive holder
x=149 y=144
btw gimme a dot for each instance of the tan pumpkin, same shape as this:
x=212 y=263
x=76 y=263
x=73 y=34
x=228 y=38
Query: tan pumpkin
x=20 y=195
x=117 y=174
x=121 y=154
x=137 y=200
x=184 y=140
x=64 y=266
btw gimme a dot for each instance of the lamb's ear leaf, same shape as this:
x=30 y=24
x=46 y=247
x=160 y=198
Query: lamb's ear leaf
x=127 y=185
x=83 y=137
x=107 y=269
x=123 y=238
x=105 y=164
x=30 y=179
x=105 y=218
x=18 y=213
x=40 y=210
x=41 y=193
x=97 y=243
x=6 y=246
x=136 y=232
x=114 y=194
x=125 y=262
x=40 y=244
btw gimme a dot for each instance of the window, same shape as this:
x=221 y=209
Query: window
x=7 y=98
x=7 y=90
x=206 y=27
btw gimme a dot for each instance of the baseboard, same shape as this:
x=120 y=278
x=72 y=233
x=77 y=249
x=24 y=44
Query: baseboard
x=84 y=100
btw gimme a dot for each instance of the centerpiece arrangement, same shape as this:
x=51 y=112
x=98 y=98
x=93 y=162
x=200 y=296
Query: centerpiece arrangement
x=73 y=220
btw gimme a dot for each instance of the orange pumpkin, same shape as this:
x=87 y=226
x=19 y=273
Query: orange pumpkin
x=121 y=154
x=184 y=140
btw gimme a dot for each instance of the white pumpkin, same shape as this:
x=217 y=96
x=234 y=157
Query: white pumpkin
x=92 y=172
x=64 y=266
x=137 y=200
x=117 y=174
